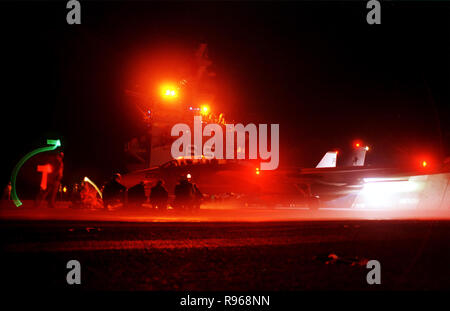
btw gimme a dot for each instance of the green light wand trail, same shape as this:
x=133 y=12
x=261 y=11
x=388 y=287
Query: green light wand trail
x=53 y=145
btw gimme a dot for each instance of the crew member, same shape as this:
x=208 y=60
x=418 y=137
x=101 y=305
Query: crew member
x=136 y=194
x=159 y=196
x=7 y=192
x=114 y=191
x=75 y=195
x=53 y=181
x=198 y=196
x=184 y=193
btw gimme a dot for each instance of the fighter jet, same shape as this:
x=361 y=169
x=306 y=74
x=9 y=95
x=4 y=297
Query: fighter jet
x=242 y=180
x=357 y=185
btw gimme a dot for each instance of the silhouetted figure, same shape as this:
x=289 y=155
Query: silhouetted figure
x=75 y=196
x=184 y=194
x=90 y=197
x=114 y=191
x=136 y=194
x=53 y=181
x=7 y=192
x=198 y=196
x=159 y=196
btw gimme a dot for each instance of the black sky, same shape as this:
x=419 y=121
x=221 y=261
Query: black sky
x=316 y=68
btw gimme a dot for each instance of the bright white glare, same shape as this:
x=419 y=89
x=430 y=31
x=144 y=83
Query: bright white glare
x=383 y=188
x=389 y=193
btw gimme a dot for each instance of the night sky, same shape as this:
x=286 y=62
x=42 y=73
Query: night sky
x=318 y=69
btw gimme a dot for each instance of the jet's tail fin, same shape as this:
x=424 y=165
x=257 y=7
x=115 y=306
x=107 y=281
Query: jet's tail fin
x=328 y=160
x=358 y=157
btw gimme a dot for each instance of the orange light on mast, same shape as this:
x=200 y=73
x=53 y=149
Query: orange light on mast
x=169 y=92
x=204 y=109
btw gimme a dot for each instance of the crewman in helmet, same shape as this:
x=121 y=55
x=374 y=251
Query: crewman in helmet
x=184 y=193
x=114 y=191
x=159 y=196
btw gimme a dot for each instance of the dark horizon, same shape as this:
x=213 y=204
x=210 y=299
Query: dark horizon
x=316 y=68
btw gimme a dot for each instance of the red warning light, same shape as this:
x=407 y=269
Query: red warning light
x=357 y=143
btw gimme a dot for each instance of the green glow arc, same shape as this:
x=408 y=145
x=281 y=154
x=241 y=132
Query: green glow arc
x=53 y=145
